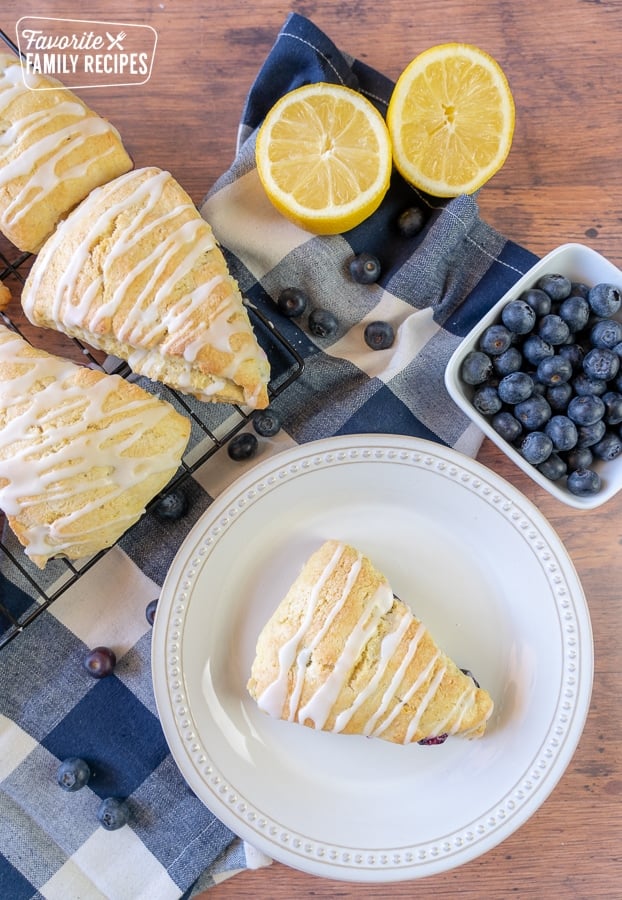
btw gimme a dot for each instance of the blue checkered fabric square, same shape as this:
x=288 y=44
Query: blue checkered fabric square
x=433 y=289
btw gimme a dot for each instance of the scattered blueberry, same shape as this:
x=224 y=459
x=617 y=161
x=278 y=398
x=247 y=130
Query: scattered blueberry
x=536 y=446
x=73 y=774
x=509 y=361
x=539 y=301
x=558 y=287
x=605 y=299
x=586 y=409
x=365 y=268
x=606 y=334
x=113 y=813
x=579 y=458
x=553 y=370
x=609 y=447
x=553 y=467
x=292 y=302
x=601 y=363
x=535 y=349
x=575 y=311
x=486 y=400
x=411 y=221
x=559 y=396
x=574 y=353
x=100 y=662
x=613 y=407
x=515 y=387
x=172 y=506
x=433 y=741
x=507 y=426
x=553 y=329
x=150 y=611
x=588 y=435
x=562 y=431
x=583 y=482
x=266 y=422
x=476 y=367
x=322 y=322
x=533 y=412
x=585 y=385
x=379 y=335
x=242 y=446
x=495 y=340
x=578 y=289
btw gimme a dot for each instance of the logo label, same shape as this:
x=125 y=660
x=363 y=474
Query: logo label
x=83 y=53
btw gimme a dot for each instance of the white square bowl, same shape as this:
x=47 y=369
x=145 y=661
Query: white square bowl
x=578 y=263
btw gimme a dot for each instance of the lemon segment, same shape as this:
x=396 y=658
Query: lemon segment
x=323 y=155
x=451 y=120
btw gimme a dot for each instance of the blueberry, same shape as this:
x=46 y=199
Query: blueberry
x=292 y=302
x=507 y=426
x=578 y=289
x=150 y=611
x=322 y=322
x=379 y=335
x=539 y=301
x=100 y=662
x=515 y=387
x=601 y=363
x=113 y=813
x=518 y=316
x=486 y=400
x=606 y=334
x=533 y=413
x=172 y=506
x=553 y=329
x=536 y=447
x=605 y=299
x=495 y=340
x=558 y=287
x=433 y=741
x=553 y=370
x=613 y=407
x=476 y=367
x=584 y=385
x=574 y=353
x=266 y=422
x=586 y=409
x=591 y=434
x=559 y=396
x=535 y=349
x=365 y=268
x=73 y=773
x=509 y=361
x=575 y=311
x=562 y=431
x=411 y=221
x=242 y=446
x=553 y=467
x=609 y=447
x=583 y=482
x=579 y=458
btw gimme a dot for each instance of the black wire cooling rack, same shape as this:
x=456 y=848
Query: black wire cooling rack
x=25 y=590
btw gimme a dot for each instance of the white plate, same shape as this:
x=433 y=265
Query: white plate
x=480 y=566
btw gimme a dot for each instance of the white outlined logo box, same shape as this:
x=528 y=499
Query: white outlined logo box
x=86 y=53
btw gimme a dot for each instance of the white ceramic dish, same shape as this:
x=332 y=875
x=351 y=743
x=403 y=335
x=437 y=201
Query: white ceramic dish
x=481 y=567
x=579 y=263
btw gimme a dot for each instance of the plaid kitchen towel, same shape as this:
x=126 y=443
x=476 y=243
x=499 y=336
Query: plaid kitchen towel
x=433 y=288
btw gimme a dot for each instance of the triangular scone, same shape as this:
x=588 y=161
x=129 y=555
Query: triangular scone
x=342 y=654
x=81 y=452
x=53 y=151
x=136 y=271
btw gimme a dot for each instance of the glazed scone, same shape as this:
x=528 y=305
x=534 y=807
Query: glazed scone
x=53 y=151
x=342 y=654
x=81 y=452
x=136 y=271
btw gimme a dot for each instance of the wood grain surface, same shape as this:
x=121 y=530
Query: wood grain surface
x=562 y=182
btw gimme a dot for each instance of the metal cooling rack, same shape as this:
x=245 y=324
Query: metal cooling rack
x=212 y=426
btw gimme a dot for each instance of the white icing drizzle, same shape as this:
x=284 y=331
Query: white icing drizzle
x=425 y=702
x=69 y=449
x=461 y=707
x=148 y=330
x=38 y=162
x=390 y=692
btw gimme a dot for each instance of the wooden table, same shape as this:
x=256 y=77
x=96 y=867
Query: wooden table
x=561 y=182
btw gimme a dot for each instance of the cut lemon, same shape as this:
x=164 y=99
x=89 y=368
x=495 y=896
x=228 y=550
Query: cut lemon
x=451 y=120
x=324 y=157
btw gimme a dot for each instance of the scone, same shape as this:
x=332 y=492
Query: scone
x=341 y=653
x=136 y=271
x=81 y=452
x=53 y=151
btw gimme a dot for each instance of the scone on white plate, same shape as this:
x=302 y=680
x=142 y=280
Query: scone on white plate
x=53 y=151
x=81 y=452
x=136 y=271
x=342 y=654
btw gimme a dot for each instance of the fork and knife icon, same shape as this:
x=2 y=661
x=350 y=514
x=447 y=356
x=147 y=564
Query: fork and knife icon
x=116 y=41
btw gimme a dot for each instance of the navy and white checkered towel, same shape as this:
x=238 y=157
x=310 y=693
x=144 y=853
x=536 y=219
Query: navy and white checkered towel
x=433 y=288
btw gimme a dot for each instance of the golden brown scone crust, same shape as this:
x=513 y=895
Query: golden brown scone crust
x=81 y=452
x=53 y=151
x=359 y=665
x=136 y=271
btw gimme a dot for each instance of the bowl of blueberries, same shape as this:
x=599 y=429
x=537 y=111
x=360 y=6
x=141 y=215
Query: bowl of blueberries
x=541 y=375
